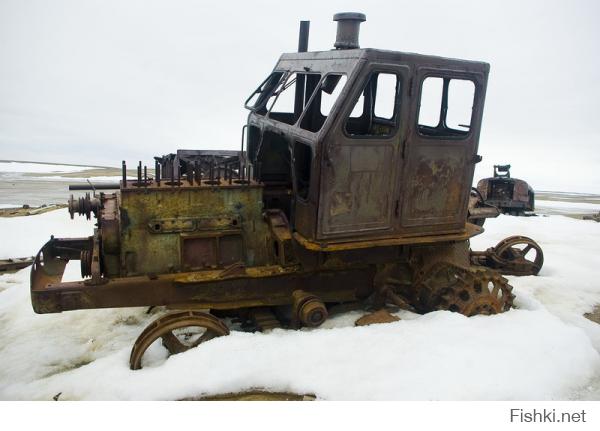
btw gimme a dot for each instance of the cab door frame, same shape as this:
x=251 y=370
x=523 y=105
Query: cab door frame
x=360 y=174
x=439 y=169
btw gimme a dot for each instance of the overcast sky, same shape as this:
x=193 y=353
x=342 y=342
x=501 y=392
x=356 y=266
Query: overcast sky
x=101 y=81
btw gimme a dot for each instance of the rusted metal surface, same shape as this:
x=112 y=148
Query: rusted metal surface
x=467 y=291
x=167 y=228
x=84 y=206
x=215 y=288
x=379 y=316
x=307 y=310
x=263 y=319
x=469 y=232
x=515 y=255
x=509 y=195
x=479 y=210
x=169 y=329
x=322 y=209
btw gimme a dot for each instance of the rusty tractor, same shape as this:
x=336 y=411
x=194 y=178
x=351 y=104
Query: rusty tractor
x=510 y=195
x=350 y=189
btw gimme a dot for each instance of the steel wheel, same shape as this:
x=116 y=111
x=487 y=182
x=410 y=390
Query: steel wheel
x=179 y=331
x=521 y=254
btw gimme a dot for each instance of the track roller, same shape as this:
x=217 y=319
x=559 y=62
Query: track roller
x=307 y=310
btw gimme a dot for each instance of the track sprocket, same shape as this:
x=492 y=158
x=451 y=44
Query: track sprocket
x=469 y=291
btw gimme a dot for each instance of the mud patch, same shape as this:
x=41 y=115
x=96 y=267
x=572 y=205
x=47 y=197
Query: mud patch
x=594 y=316
x=63 y=368
x=26 y=210
x=127 y=320
x=254 y=396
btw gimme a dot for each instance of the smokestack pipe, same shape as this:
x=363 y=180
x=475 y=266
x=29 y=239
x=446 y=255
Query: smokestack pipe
x=303 y=36
x=347 y=29
x=300 y=79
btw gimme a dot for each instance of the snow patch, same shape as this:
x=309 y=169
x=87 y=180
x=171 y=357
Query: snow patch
x=25 y=236
x=564 y=206
x=544 y=349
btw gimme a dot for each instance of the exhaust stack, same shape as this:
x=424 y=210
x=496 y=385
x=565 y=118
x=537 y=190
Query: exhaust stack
x=303 y=36
x=347 y=29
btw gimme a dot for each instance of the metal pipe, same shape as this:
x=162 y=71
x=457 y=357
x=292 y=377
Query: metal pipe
x=139 y=174
x=107 y=186
x=303 y=36
x=301 y=78
x=157 y=173
x=190 y=174
x=348 y=29
x=124 y=169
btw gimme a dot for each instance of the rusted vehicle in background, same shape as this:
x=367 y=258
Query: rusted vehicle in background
x=350 y=189
x=509 y=195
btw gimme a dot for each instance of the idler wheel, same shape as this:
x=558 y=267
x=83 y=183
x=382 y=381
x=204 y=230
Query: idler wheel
x=180 y=331
x=519 y=255
x=307 y=309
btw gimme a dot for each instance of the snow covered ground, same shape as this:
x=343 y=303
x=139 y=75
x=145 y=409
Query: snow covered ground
x=36 y=184
x=25 y=167
x=25 y=171
x=565 y=207
x=543 y=349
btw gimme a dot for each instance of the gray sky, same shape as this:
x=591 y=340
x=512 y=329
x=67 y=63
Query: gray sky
x=101 y=81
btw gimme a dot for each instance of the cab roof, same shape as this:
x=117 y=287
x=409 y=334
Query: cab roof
x=347 y=59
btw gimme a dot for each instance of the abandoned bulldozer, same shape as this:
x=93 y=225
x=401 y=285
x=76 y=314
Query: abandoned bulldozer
x=350 y=189
x=510 y=195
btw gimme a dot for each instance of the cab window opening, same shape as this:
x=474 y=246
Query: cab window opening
x=375 y=111
x=446 y=107
x=323 y=101
x=257 y=100
x=289 y=99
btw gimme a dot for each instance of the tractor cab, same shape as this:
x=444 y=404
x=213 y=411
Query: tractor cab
x=356 y=144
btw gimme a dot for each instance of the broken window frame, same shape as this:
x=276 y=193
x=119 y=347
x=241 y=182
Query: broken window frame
x=313 y=97
x=455 y=134
x=286 y=83
x=264 y=93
